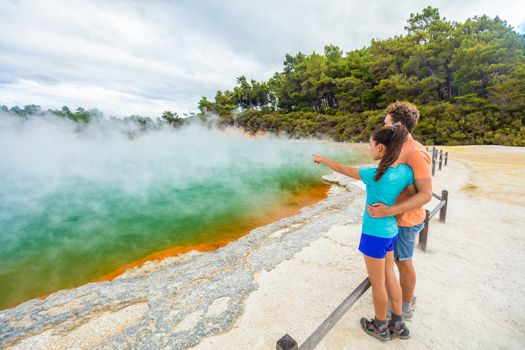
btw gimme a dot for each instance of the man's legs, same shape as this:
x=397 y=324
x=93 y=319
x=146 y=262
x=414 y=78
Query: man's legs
x=407 y=279
x=403 y=252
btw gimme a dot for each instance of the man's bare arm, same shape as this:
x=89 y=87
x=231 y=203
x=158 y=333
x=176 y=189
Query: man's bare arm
x=422 y=197
x=411 y=190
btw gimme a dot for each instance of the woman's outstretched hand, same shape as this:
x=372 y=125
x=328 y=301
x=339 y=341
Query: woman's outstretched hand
x=317 y=159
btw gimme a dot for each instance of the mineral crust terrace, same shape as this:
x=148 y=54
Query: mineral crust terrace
x=175 y=302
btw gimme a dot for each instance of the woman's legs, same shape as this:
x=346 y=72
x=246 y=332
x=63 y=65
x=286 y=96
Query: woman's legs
x=376 y=275
x=392 y=285
x=397 y=326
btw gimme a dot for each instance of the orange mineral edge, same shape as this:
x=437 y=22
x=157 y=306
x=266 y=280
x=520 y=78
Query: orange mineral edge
x=289 y=206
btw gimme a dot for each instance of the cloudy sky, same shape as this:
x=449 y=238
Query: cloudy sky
x=145 y=57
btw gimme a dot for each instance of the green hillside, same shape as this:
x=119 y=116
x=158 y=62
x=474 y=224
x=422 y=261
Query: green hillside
x=467 y=79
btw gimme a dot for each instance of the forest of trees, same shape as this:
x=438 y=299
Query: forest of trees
x=467 y=79
x=81 y=115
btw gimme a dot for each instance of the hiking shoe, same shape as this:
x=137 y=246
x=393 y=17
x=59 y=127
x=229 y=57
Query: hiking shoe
x=398 y=330
x=369 y=326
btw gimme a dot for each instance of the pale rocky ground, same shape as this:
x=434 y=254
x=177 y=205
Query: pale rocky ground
x=287 y=277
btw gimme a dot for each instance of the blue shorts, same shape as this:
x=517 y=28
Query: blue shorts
x=376 y=247
x=406 y=241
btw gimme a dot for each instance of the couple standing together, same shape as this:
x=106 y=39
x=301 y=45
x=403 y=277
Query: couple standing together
x=396 y=191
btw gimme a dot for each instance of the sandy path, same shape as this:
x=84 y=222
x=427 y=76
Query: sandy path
x=470 y=281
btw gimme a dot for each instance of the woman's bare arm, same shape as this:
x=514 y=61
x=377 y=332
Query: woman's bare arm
x=340 y=168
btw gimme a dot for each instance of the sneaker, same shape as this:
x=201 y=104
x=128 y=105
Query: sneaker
x=382 y=333
x=398 y=330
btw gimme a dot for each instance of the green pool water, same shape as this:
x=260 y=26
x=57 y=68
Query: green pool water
x=77 y=205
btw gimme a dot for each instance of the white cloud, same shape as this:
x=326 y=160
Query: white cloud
x=114 y=58
x=145 y=57
x=114 y=102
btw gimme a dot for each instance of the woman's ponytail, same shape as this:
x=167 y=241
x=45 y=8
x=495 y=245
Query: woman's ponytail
x=393 y=138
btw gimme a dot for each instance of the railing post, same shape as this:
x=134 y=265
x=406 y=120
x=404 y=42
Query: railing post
x=443 y=210
x=423 y=235
x=440 y=159
x=446 y=158
x=287 y=343
x=433 y=165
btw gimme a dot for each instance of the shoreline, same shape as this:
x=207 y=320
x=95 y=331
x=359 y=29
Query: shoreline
x=289 y=205
x=298 y=200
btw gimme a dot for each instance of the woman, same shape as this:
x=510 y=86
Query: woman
x=383 y=183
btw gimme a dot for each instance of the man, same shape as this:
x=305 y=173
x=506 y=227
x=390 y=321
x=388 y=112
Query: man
x=408 y=210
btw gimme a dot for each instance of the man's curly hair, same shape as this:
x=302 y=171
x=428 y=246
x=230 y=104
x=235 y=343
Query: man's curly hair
x=404 y=112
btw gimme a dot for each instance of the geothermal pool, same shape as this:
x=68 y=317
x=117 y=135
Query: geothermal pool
x=78 y=202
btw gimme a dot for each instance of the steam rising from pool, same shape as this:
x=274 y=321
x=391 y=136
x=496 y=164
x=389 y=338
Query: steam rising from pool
x=78 y=201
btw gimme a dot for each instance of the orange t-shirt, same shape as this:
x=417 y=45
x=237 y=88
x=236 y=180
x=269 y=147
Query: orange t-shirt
x=416 y=156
